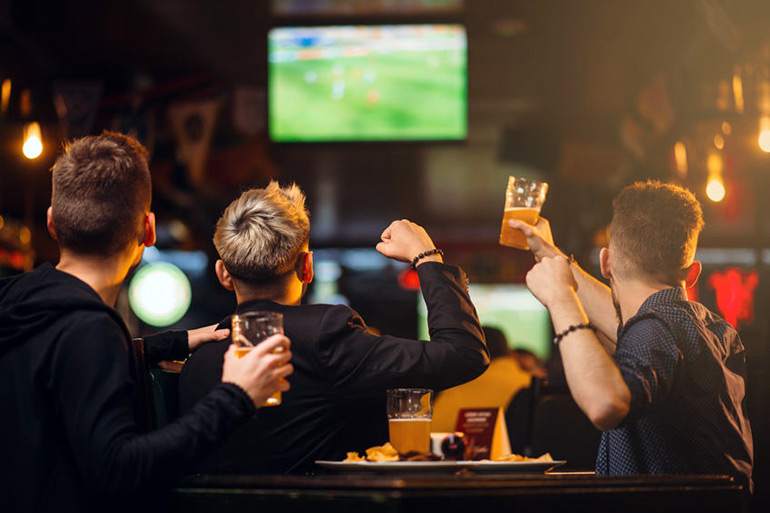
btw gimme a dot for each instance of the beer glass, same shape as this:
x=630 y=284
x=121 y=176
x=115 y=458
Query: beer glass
x=410 y=411
x=249 y=329
x=523 y=199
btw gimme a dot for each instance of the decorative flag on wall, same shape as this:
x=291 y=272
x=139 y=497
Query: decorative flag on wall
x=138 y=122
x=249 y=110
x=193 y=123
x=76 y=104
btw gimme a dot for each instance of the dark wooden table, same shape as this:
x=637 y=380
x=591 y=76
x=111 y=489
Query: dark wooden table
x=468 y=493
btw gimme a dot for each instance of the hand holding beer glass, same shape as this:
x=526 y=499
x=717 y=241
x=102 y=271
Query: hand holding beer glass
x=248 y=329
x=410 y=411
x=523 y=200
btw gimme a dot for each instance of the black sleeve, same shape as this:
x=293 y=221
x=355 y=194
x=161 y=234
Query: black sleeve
x=95 y=396
x=169 y=345
x=361 y=363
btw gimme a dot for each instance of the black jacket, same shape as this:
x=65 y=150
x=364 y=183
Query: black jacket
x=68 y=428
x=341 y=371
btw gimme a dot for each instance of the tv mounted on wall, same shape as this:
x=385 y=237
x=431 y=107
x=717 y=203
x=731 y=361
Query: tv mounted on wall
x=367 y=83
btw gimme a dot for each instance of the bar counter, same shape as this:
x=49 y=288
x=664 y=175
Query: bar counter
x=469 y=493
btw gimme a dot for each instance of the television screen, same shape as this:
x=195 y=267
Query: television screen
x=363 y=7
x=367 y=83
x=512 y=309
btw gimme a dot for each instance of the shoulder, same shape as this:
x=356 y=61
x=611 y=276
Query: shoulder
x=321 y=316
x=649 y=328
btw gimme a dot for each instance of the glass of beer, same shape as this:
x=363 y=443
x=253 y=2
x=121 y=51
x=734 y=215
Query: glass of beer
x=249 y=329
x=410 y=411
x=523 y=199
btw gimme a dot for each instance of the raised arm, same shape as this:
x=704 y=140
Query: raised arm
x=366 y=364
x=594 y=379
x=595 y=296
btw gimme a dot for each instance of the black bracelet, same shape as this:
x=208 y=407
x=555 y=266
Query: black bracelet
x=574 y=327
x=434 y=251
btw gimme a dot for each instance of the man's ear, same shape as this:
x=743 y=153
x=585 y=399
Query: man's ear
x=149 y=229
x=604 y=263
x=306 y=270
x=49 y=223
x=693 y=273
x=223 y=275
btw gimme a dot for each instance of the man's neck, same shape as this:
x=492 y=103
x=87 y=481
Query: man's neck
x=632 y=294
x=288 y=295
x=104 y=274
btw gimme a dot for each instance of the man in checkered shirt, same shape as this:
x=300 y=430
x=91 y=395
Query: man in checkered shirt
x=664 y=378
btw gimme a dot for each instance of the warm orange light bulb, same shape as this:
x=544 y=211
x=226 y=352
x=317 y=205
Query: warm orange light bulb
x=715 y=190
x=33 y=141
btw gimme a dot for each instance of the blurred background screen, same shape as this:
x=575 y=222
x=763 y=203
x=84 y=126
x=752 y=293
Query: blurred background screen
x=367 y=83
x=511 y=308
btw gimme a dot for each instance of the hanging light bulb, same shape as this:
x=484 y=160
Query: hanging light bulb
x=715 y=190
x=680 y=157
x=738 y=92
x=5 y=96
x=764 y=134
x=33 y=141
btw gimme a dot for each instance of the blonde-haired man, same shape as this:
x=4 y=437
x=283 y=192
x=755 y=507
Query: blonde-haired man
x=663 y=377
x=336 y=403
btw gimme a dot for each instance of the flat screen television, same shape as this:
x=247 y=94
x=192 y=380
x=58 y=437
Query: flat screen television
x=363 y=7
x=367 y=83
x=512 y=309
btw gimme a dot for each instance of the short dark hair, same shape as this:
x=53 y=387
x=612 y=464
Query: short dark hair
x=655 y=229
x=101 y=191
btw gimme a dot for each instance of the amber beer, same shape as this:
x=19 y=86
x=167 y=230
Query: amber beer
x=273 y=400
x=408 y=435
x=410 y=411
x=511 y=236
x=249 y=329
x=523 y=199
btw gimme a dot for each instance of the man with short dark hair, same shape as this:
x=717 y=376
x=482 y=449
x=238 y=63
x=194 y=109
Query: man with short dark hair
x=69 y=431
x=342 y=369
x=664 y=378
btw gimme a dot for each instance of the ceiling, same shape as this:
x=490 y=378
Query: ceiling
x=540 y=72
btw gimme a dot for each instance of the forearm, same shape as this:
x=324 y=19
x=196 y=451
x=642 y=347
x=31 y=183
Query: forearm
x=593 y=378
x=596 y=299
x=452 y=319
x=168 y=345
x=132 y=464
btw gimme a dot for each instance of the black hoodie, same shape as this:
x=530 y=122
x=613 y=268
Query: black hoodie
x=68 y=428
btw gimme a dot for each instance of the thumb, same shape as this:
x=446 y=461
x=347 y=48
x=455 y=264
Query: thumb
x=230 y=353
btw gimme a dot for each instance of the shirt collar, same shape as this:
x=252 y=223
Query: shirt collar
x=662 y=297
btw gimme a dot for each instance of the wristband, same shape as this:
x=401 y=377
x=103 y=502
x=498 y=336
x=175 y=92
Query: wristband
x=574 y=327
x=434 y=251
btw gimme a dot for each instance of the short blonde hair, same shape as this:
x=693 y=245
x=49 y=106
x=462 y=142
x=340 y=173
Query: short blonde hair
x=261 y=234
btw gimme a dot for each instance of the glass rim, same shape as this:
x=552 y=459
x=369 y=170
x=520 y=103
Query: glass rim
x=528 y=180
x=424 y=390
x=257 y=313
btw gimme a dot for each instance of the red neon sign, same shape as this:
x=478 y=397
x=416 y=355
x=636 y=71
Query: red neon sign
x=735 y=294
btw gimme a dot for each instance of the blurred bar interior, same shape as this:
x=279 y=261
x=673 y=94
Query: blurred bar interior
x=587 y=95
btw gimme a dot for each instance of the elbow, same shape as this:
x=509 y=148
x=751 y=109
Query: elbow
x=468 y=366
x=608 y=413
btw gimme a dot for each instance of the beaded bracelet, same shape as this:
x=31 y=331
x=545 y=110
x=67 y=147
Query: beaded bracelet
x=434 y=251
x=574 y=327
